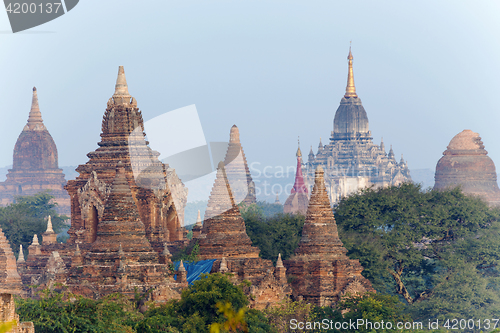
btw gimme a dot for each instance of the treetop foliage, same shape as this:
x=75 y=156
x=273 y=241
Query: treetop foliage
x=428 y=247
x=27 y=216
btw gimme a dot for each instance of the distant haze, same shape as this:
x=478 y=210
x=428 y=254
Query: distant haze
x=424 y=70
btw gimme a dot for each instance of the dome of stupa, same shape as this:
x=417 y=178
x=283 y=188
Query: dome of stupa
x=466 y=163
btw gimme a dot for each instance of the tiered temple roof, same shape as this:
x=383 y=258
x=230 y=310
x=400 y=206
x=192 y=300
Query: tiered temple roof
x=322 y=271
x=123 y=139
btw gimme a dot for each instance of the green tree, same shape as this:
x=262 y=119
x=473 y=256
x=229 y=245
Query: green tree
x=197 y=309
x=28 y=216
x=435 y=249
x=279 y=233
x=65 y=312
x=373 y=312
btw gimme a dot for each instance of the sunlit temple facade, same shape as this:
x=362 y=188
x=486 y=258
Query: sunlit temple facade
x=350 y=159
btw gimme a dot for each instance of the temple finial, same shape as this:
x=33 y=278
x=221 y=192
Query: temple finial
x=181 y=267
x=49 y=226
x=35 y=122
x=350 y=90
x=35 y=240
x=20 y=258
x=121 y=87
x=198 y=219
x=299 y=153
x=234 y=135
x=279 y=262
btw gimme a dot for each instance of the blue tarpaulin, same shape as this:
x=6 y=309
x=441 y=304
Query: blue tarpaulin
x=195 y=269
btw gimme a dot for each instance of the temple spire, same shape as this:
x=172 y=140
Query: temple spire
x=49 y=225
x=121 y=87
x=35 y=122
x=299 y=153
x=198 y=219
x=350 y=90
x=20 y=258
x=234 y=135
x=299 y=186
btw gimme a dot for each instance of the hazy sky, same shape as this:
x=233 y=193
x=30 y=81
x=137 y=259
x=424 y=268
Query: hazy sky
x=425 y=70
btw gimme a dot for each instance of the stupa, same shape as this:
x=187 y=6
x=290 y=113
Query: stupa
x=321 y=269
x=35 y=164
x=466 y=163
x=224 y=238
x=123 y=139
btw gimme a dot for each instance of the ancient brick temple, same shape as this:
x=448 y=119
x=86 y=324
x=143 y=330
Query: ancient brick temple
x=123 y=139
x=123 y=216
x=121 y=259
x=10 y=284
x=298 y=200
x=224 y=238
x=465 y=162
x=237 y=170
x=351 y=160
x=320 y=272
x=35 y=166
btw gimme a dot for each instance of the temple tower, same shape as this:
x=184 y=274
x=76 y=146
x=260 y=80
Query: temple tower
x=121 y=259
x=322 y=270
x=237 y=170
x=223 y=227
x=35 y=164
x=351 y=160
x=298 y=200
x=224 y=238
x=123 y=140
x=466 y=163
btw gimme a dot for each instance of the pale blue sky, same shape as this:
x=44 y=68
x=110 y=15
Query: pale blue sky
x=425 y=70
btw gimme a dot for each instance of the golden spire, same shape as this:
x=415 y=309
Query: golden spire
x=350 y=90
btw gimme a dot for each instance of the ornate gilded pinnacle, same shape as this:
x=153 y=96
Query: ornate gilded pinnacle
x=350 y=90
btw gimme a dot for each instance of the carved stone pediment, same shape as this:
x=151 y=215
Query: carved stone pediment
x=94 y=193
x=354 y=287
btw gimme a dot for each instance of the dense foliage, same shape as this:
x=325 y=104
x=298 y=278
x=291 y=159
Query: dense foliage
x=198 y=308
x=65 y=312
x=438 y=250
x=279 y=233
x=28 y=216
